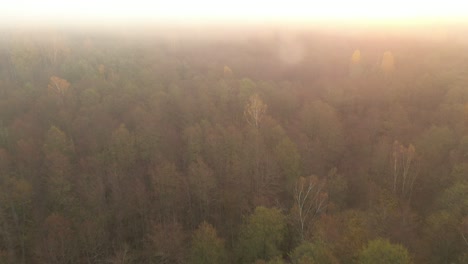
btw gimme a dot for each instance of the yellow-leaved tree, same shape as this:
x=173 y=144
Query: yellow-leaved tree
x=388 y=63
x=355 y=67
x=356 y=57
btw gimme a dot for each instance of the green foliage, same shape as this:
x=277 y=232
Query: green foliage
x=206 y=246
x=454 y=198
x=443 y=237
x=261 y=235
x=444 y=228
x=247 y=88
x=382 y=251
x=316 y=252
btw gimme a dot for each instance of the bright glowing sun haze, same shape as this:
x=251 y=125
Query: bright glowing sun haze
x=238 y=11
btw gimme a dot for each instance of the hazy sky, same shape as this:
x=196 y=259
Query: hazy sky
x=179 y=11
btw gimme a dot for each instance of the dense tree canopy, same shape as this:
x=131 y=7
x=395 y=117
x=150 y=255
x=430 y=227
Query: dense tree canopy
x=382 y=251
x=163 y=147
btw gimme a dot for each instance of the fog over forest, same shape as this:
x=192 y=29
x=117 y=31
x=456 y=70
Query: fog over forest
x=234 y=143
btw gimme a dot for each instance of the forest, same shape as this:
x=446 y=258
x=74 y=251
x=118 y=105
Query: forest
x=197 y=146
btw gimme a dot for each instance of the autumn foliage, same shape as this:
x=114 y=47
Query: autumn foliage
x=178 y=147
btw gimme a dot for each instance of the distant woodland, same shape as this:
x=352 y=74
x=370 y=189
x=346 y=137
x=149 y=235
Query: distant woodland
x=310 y=147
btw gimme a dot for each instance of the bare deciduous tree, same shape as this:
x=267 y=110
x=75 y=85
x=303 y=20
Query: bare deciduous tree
x=403 y=177
x=464 y=230
x=255 y=110
x=310 y=200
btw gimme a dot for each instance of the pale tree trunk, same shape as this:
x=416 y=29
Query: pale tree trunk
x=310 y=200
